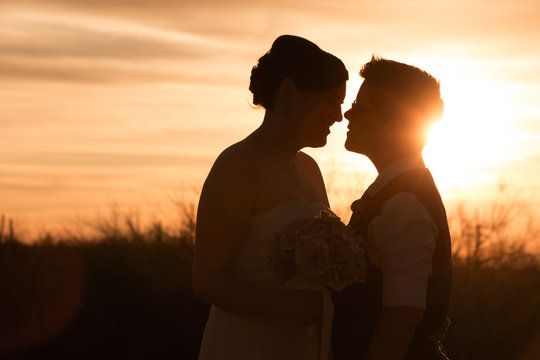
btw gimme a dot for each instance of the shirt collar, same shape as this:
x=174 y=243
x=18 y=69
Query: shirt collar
x=390 y=172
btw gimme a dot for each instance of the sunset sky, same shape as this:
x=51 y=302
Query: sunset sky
x=129 y=102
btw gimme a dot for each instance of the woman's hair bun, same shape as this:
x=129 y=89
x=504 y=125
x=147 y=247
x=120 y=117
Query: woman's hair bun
x=311 y=68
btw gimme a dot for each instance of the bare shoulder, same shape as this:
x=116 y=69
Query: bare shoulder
x=236 y=161
x=309 y=163
x=232 y=173
x=237 y=154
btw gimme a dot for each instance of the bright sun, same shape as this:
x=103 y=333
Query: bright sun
x=473 y=134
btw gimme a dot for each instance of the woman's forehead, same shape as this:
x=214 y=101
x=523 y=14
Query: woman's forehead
x=338 y=92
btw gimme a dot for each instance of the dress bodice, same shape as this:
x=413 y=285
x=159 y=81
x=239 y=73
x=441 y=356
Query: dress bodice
x=251 y=265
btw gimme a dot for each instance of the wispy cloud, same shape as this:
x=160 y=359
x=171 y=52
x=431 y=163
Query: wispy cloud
x=168 y=40
x=78 y=47
x=77 y=35
x=113 y=160
x=87 y=71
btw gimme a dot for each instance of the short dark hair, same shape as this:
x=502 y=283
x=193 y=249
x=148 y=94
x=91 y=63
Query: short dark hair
x=409 y=85
x=311 y=68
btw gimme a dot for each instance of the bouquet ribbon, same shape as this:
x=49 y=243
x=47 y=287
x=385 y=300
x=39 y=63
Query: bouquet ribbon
x=326 y=325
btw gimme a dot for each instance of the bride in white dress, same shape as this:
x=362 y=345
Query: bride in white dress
x=254 y=188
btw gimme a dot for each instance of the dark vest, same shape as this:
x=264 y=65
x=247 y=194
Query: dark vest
x=358 y=306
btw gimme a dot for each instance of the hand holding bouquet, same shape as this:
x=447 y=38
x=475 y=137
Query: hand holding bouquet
x=316 y=253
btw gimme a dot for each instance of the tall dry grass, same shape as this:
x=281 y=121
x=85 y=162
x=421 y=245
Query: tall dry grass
x=125 y=291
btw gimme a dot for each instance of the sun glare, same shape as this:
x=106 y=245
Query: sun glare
x=467 y=147
x=473 y=135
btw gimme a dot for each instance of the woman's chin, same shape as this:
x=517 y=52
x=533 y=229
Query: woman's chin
x=323 y=141
x=317 y=143
x=350 y=146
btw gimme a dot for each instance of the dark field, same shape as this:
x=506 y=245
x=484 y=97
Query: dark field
x=126 y=294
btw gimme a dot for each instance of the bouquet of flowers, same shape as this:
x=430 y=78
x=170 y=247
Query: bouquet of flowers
x=317 y=253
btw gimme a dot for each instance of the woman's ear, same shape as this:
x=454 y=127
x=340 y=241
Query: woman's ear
x=285 y=96
x=287 y=88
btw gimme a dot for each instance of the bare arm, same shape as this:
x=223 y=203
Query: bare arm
x=393 y=333
x=222 y=222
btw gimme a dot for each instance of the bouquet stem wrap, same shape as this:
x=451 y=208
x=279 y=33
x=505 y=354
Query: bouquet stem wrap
x=326 y=326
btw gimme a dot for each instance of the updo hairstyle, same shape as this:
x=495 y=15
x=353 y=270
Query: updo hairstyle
x=311 y=69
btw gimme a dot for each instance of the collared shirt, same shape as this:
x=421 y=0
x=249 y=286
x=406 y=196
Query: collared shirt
x=401 y=240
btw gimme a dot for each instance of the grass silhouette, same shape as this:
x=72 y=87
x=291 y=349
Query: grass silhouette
x=124 y=294
x=126 y=291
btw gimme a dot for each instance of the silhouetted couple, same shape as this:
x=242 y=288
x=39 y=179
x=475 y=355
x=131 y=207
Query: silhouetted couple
x=264 y=182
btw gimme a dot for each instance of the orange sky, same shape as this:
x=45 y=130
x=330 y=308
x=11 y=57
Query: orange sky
x=131 y=101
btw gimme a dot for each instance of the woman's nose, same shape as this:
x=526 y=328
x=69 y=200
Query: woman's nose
x=347 y=114
x=337 y=115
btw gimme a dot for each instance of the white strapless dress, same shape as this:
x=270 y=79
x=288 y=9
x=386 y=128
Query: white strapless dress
x=229 y=336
